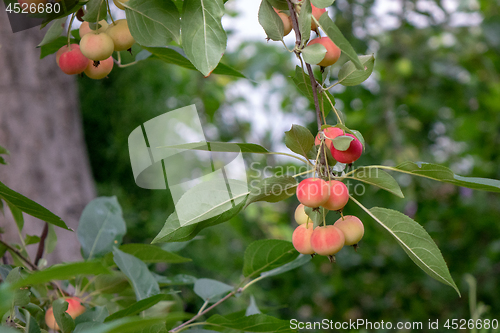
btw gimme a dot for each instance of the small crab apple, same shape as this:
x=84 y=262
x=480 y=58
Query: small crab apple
x=351 y=154
x=120 y=34
x=97 y=46
x=313 y=192
x=352 y=228
x=300 y=215
x=316 y=12
x=71 y=60
x=330 y=133
x=287 y=21
x=301 y=238
x=339 y=196
x=119 y=3
x=327 y=241
x=85 y=28
x=99 y=70
x=332 y=51
x=75 y=308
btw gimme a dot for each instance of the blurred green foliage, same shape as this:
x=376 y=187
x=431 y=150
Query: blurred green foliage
x=434 y=96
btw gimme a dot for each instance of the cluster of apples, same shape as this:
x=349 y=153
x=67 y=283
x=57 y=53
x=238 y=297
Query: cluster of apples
x=94 y=54
x=332 y=51
x=75 y=308
x=330 y=195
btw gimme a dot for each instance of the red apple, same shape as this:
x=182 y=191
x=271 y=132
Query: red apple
x=75 y=308
x=351 y=154
x=332 y=51
x=316 y=12
x=330 y=133
x=301 y=239
x=339 y=196
x=313 y=192
x=352 y=228
x=71 y=60
x=327 y=240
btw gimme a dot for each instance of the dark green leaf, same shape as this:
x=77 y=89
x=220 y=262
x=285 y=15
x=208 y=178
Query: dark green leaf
x=54 y=46
x=305 y=21
x=203 y=37
x=443 y=174
x=30 y=207
x=173 y=231
x=270 y=21
x=299 y=261
x=350 y=76
x=299 y=140
x=64 y=320
x=93 y=315
x=96 y=11
x=326 y=24
x=159 y=16
x=173 y=56
x=138 y=273
x=279 y=4
x=264 y=255
x=63 y=272
x=416 y=242
x=254 y=323
x=273 y=189
x=55 y=30
x=31 y=240
x=17 y=214
x=137 y=307
x=31 y=324
x=101 y=227
x=148 y=254
x=378 y=178
x=211 y=290
x=127 y=325
x=111 y=283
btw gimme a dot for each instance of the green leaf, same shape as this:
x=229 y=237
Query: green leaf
x=270 y=21
x=30 y=207
x=63 y=272
x=137 y=307
x=350 y=76
x=303 y=83
x=172 y=56
x=96 y=315
x=6 y=298
x=305 y=21
x=31 y=239
x=416 y=242
x=279 y=4
x=379 y=178
x=55 y=30
x=96 y=11
x=176 y=280
x=4 y=329
x=111 y=283
x=21 y=295
x=17 y=214
x=54 y=46
x=299 y=261
x=211 y=290
x=230 y=147
x=51 y=241
x=252 y=307
x=149 y=254
x=267 y=254
x=443 y=174
x=173 y=231
x=138 y=273
x=356 y=133
x=316 y=215
x=314 y=54
x=64 y=320
x=254 y=323
x=322 y=3
x=342 y=142
x=198 y=330
x=153 y=22
x=101 y=227
x=4 y=151
x=273 y=189
x=326 y=24
x=203 y=37
x=299 y=140
x=128 y=325
x=31 y=324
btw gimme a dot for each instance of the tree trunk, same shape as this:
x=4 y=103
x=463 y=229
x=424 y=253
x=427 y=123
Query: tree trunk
x=40 y=125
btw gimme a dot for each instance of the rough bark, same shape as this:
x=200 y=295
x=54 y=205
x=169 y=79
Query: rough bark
x=40 y=125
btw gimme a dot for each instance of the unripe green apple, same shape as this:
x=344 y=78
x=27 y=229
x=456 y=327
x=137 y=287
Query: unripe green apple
x=287 y=22
x=301 y=239
x=327 y=240
x=330 y=133
x=339 y=196
x=85 y=28
x=99 y=70
x=97 y=46
x=119 y=3
x=332 y=51
x=313 y=192
x=300 y=215
x=351 y=154
x=71 y=60
x=75 y=308
x=352 y=228
x=120 y=34
x=316 y=12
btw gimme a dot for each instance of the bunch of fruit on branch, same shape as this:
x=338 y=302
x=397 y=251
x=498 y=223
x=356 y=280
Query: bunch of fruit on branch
x=315 y=194
x=94 y=55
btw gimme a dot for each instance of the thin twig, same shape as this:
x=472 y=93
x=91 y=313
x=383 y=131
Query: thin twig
x=41 y=245
x=17 y=253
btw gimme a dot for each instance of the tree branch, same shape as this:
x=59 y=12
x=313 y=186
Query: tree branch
x=17 y=253
x=41 y=245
